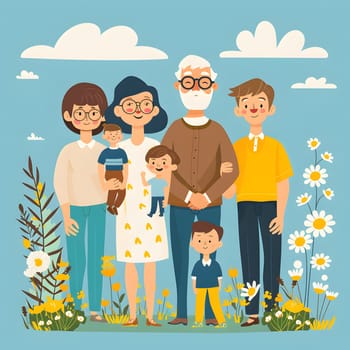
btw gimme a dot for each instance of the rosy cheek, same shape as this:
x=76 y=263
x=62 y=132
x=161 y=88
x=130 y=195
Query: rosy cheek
x=147 y=110
x=244 y=111
x=262 y=110
x=129 y=110
x=95 y=122
x=77 y=122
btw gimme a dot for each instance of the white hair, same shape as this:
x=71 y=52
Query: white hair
x=194 y=61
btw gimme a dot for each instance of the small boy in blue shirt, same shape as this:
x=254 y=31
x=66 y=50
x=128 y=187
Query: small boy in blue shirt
x=206 y=273
x=161 y=161
x=113 y=164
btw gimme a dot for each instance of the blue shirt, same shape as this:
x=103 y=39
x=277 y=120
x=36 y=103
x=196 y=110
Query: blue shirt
x=157 y=186
x=113 y=158
x=207 y=276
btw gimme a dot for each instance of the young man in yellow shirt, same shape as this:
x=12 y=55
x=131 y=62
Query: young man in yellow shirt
x=261 y=190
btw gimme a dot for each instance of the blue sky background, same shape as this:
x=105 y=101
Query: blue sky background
x=178 y=28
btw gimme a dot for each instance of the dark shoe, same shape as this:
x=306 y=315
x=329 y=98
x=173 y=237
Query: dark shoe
x=211 y=322
x=111 y=210
x=150 y=215
x=152 y=323
x=253 y=321
x=177 y=321
x=131 y=323
x=115 y=209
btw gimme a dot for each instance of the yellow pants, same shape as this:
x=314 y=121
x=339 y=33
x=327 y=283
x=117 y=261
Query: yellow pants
x=214 y=299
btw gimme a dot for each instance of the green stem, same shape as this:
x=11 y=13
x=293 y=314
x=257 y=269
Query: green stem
x=324 y=299
x=111 y=294
x=318 y=303
x=324 y=314
x=306 y=278
x=299 y=292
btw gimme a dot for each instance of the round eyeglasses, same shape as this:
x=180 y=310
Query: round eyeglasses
x=93 y=114
x=188 y=82
x=130 y=106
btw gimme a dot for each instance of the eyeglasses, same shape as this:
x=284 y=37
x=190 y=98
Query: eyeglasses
x=188 y=82
x=93 y=114
x=130 y=106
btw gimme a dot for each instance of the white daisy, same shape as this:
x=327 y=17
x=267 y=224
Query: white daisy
x=319 y=288
x=319 y=224
x=313 y=143
x=320 y=261
x=290 y=317
x=279 y=314
x=296 y=274
x=49 y=322
x=298 y=322
x=250 y=291
x=328 y=193
x=297 y=264
x=315 y=176
x=307 y=322
x=299 y=242
x=331 y=295
x=328 y=157
x=80 y=318
x=324 y=278
x=57 y=317
x=303 y=199
x=38 y=261
x=268 y=319
x=69 y=313
x=41 y=323
x=29 y=273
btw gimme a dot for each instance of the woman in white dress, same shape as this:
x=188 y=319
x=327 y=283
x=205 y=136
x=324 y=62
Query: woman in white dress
x=139 y=238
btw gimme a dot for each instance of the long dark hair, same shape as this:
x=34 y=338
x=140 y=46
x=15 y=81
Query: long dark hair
x=131 y=86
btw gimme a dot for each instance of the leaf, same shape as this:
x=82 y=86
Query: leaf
x=55 y=252
x=48 y=201
x=32 y=201
x=50 y=216
x=42 y=191
x=25 y=323
x=36 y=216
x=34 y=297
x=29 y=186
x=30 y=165
x=52 y=242
x=125 y=310
x=117 y=306
x=53 y=229
x=37 y=177
x=121 y=298
x=27 y=173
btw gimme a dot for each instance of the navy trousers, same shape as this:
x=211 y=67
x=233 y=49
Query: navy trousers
x=251 y=217
x=181 y=220
x=157 y=201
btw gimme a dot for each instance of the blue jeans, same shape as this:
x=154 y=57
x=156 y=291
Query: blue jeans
x=94 y=217
x=157 y=201
x=181 y=220
x=251 y=217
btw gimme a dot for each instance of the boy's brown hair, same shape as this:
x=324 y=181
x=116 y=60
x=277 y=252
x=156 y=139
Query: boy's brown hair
x=254 y=87
x=84 y=94
x=204 y=226
x=111 y=127
x=160 y=151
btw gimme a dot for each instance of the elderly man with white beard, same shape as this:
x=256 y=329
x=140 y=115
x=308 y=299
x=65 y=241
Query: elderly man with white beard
x=198 y=184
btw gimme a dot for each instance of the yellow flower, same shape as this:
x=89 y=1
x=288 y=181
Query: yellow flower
x=69 y=298
x=267 y=295
x=26 y=243
x=307 y=309
x=81 y=295
x=104 y=303
x=138 y=300
x=168 y=305
x=37 y=309
x=228 y=315
x=52 y=306
x=64 y=287
x=63 y=264
x=62 y=277
x=319 y=288
x=235 y=300
x=116 y=286
x=332 y=295
x=293 y=306
x=228 y=289
x=107 y=258
x=165 y=292
x=159 y=302
x=233 y=273
x=173 y=314
x=108 y=269
x=243 y=302
x=264 y=304
x=239 y=285
x=84 y=306
x=279 y=298
x=226 y=303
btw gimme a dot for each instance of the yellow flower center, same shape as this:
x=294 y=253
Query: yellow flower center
x=328 y=192
x=38 y=262
x=331 y=297
x=304 y=200
x=320 y=261
x=326 y=155
x=319 y=224
x=314 y=143
x=300 y=241
x=318 y=290
x=296 y=278
x=315 y=175
x=251 y=291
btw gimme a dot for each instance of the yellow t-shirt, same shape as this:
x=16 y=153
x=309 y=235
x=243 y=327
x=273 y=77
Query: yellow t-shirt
x=260 y=171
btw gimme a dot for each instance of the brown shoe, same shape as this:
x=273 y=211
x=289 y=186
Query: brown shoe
x=152 y=323
x=97 y=318
x=131 y=323
x=253 y=321
x=211 y=322
x=177 y=321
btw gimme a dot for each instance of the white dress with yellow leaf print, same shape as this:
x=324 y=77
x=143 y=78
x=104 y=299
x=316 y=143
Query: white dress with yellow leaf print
x=140 y=238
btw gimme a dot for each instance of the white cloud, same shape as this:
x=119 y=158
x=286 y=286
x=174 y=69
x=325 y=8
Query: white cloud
x=33 y=137
x=86 y=42
x=263 y=44
x=27 y=75
x=314 y=83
